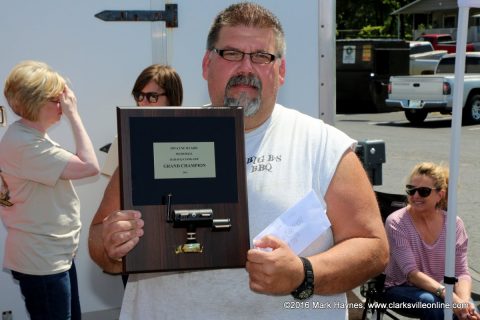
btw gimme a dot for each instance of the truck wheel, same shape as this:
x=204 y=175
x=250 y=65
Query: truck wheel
x=416 y=116
x=471 y=111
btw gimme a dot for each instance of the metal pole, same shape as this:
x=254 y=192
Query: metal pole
x=327 y=63
x=454 y=158
x=159 y=36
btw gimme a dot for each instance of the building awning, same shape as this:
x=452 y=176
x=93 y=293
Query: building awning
x=427 y=6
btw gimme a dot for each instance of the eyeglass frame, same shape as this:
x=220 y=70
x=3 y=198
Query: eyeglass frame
x=139 y=96
x=221 y=53
x=423 y=192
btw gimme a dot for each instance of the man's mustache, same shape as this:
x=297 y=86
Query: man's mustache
x=248 y=80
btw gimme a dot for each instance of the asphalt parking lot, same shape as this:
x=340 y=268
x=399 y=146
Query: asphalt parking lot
x=407 y=145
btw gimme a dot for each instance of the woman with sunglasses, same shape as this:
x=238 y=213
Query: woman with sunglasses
x=417 y=238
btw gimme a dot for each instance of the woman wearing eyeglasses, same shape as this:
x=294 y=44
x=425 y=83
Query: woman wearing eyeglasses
x=157 y=85
x=417 y=238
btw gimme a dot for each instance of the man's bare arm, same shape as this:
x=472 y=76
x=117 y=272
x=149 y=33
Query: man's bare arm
x=360 y=251
x=361 y=248
x=113 y=233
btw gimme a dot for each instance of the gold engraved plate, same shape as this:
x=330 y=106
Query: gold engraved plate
x=189 y=248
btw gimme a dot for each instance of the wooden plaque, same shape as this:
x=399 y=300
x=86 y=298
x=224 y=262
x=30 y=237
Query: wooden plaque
x=183 y=168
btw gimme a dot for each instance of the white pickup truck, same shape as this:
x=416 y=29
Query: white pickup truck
x=423 y=58
x=420 y=94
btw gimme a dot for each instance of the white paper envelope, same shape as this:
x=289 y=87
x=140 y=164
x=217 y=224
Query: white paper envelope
x=302 y=225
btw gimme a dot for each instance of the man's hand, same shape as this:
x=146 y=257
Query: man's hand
x=121 y=232
x=279 y=271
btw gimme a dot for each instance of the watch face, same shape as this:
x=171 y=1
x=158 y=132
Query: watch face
x=305 y=294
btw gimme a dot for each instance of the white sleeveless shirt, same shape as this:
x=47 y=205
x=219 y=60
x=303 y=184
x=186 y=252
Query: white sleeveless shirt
x=287 y=157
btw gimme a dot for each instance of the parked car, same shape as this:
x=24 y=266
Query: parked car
x=443 y=41
x=423 y=57
x=420 y=94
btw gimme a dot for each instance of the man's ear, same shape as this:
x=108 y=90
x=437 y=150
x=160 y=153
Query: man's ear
x=205 y=64
x=282 y=71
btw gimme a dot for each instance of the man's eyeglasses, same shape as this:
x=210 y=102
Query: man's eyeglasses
x=152 y=97
x=255 y=57
x=422 y=191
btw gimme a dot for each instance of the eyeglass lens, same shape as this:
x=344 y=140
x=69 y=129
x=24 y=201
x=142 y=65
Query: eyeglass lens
x=152 y=97
x=422 y=191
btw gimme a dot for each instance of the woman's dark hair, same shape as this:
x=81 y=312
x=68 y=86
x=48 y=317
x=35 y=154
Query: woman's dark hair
x=166 y=77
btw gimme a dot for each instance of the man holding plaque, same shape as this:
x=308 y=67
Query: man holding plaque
x=288 y=155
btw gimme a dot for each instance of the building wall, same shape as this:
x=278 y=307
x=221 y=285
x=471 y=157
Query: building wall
x=446 y=21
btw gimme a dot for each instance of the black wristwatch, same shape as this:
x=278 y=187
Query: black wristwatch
x=305 y=290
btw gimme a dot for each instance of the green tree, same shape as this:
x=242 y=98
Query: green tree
x=356 y=15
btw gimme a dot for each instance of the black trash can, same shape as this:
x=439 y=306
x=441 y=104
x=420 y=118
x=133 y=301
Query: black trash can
x=364 y=67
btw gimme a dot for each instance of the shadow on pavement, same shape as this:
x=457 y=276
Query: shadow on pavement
x=427 y=124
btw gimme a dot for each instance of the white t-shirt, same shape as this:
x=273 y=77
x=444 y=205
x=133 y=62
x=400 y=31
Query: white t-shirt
x=43 y=225
x=287 y=157
x=111 y=163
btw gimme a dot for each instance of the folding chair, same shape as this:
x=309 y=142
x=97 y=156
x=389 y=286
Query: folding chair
x=390 y=202
x=372 y=290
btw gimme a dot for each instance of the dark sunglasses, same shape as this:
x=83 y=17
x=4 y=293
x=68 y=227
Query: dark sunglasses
x=151 y=97
x=422 y=191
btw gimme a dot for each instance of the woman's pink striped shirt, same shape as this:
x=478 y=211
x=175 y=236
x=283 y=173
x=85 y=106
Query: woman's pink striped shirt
x=408 y=252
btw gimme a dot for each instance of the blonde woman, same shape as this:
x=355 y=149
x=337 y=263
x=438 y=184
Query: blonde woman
x=417 y=237
x=43 y=222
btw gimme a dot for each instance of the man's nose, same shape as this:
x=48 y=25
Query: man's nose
x=246 y=63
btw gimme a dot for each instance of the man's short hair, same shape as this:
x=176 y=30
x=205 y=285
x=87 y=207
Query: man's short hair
x=250 y=15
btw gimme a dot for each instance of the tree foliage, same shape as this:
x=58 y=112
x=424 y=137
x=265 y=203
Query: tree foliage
x=368 y=15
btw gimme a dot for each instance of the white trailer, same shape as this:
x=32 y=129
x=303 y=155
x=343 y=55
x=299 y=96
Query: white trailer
x=102 y=60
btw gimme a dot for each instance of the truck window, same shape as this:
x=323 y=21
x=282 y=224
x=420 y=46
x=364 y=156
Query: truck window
x=447 y=65
x=444 y=39
x=421 y=48
x=473 y=65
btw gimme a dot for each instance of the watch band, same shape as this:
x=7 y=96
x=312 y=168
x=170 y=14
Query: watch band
x=308 y=269
x=305 y=290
